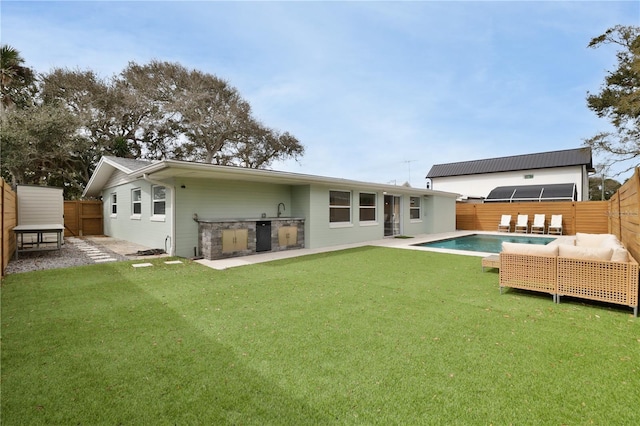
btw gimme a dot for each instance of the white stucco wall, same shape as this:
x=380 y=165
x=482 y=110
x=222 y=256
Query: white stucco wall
x=480 y=185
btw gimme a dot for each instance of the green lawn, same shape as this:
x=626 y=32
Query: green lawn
x=363 y=336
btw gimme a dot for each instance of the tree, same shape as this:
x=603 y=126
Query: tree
x=214 y=123
x=109 y=114
x=156 y=111
x=596 y=188
x=41 y=146
x=619 y=97
x=16 y=80
x=163 y=110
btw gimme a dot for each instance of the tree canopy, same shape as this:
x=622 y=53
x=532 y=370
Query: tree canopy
x=159 y=110
x=598 y=188
x=15 y=79
x=619 y=97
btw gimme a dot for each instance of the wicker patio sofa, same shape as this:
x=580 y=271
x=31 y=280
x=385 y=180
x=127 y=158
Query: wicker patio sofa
x=597 y=267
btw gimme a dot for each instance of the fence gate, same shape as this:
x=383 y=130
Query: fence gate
x=83 y=218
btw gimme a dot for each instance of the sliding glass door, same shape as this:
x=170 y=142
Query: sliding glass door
x=391 y=215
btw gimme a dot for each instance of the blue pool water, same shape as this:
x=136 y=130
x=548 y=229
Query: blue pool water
x=484 y=243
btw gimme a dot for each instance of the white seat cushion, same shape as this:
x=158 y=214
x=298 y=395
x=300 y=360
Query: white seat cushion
x=587 y=253
x=531 y=249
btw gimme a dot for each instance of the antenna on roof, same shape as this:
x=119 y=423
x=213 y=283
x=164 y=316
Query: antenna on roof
x=409 y=165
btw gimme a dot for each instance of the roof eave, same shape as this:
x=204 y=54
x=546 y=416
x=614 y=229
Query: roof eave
x=101 y=175
x=166 y=170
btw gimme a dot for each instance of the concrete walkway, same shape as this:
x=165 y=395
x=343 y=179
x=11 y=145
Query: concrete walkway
x=122 y=247
x=129 y=249
x=404 y=243
x=94 y=252
x=401 y=243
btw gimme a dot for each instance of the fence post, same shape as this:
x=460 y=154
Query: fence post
x=8 y=213
x=2 y=227
x=80 y=209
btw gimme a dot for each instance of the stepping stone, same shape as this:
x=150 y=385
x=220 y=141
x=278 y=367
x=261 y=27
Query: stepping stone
x=107 y=259
x=173 y=262
x=141 y=265
x=101 y=256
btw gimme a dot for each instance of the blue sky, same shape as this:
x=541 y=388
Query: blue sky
x=375 y=91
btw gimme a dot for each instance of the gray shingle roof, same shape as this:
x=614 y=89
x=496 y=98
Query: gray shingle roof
x=129 y=163
x=542 y=160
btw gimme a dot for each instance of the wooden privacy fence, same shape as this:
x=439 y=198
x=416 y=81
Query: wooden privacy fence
x=585 y=216
x=619 y=216
x=624 y=214
x=82 y=218
x=9 y=219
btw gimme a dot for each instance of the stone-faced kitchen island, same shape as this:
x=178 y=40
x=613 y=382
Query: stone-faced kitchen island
x=224 y=238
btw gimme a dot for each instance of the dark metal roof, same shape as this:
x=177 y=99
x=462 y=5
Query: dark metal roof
x=542 y=160
x=548 y=192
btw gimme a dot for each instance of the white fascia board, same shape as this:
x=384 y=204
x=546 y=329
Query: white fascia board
x=101 y=175
x=98 y=178
x=173 y=168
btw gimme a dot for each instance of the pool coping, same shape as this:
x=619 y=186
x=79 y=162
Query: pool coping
x=391 y=242
x=560 y=239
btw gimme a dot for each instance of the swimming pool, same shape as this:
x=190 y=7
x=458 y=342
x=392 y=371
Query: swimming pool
x=484 y=243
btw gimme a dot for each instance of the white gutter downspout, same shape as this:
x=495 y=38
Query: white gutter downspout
x=172 y=220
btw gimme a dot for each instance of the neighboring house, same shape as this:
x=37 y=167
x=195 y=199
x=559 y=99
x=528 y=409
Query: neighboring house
x=546 y=176
x=193 y=209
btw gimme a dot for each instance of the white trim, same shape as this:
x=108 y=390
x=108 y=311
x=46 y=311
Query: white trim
x=340 y=225
x=349 y=207
x=419 y=208
x=159 y=200
x=374 y=207
x=174 y=168
x=112 y=204
x=135 y=215
x=369 y=223
x=172 y=205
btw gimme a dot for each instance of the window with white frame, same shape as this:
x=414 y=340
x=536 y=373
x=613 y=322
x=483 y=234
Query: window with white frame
x=414 y=208
x=339 y=206
x=367 y=207
x=136 y=202
x=114 y=204
x=159 y=200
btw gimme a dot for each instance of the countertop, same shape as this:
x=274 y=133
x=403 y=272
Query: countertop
x=254 y=219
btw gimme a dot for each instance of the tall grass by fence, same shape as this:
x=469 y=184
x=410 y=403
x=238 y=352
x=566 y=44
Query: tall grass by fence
x=9 y=218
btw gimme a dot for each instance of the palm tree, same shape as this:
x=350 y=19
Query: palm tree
x=13 y=75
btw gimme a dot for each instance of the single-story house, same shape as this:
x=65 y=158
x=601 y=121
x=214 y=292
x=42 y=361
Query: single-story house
x=195 y=209
x=545 y=176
